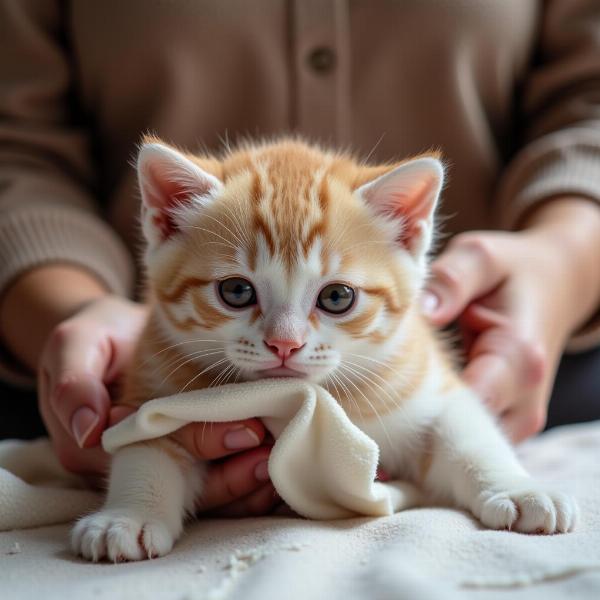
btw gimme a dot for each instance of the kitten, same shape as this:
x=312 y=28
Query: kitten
x=315 y=263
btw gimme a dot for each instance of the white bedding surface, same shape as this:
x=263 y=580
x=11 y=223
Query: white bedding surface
x=422 y=553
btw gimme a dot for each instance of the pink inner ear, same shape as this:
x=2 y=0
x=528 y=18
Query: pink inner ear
x=410 y=204
x=414 y=204
x=165 y=224
x=166 y=195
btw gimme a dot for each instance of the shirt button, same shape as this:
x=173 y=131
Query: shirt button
x=322 y=60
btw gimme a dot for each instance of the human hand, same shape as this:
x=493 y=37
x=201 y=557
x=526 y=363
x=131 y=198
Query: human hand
x=80 y=365
x=83 y=359
x=517 y=298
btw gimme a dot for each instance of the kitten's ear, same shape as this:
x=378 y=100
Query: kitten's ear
x=408 y=195
x=172 y=187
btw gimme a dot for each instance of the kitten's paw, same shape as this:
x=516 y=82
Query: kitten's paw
x=529 y=509
x=121 y=535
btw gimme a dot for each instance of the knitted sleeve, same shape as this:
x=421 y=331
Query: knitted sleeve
x=49 y=212
x=559 y=153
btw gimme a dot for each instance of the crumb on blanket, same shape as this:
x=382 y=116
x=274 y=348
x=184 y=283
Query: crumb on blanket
x=239 y=562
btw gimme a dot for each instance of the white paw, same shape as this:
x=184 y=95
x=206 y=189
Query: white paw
x=528 y=508
x=121 y=535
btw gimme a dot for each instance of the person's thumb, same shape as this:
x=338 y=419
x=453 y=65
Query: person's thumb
x=467 y=270
x=75 y=365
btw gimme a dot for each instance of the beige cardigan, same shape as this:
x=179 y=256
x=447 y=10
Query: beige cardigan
x=509 y=91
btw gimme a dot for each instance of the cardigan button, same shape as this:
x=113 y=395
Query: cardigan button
x=322 y=60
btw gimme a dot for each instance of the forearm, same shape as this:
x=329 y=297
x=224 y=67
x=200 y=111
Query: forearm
x=571 y=228
x=37 y=301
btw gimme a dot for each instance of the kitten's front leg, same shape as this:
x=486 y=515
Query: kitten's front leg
x=151 y=487
x=474 y=464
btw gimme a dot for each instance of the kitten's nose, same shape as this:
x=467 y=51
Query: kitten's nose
x=283 y=348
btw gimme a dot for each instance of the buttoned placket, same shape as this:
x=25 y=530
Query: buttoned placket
x=321 y=48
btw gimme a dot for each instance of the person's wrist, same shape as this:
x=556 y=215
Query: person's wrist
x=567 y=233
x=37 y=301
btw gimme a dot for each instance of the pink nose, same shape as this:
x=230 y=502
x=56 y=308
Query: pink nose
x=283 y=348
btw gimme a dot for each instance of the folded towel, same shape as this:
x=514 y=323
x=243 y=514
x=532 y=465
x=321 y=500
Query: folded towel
x=35 y=490
x=322 y=465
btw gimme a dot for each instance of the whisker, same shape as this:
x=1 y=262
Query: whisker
x=392 y=394
x=235 y=218
x=223 y=256
x=237 y=375
x=379 y=362
x=219 y=378
x=400 y=378
x=225 y=240
x=373 y=408
x=225 y=226
x=231 y=373
x=195 y=341
x=373 y=385
x=326 y=385
x=366 y=160
x=229 y=376
x=212 y=366
x=234 y=370
x=191 y=355
x=219 y=257
x=349 y=396
x=371 y=372
x=185 y=363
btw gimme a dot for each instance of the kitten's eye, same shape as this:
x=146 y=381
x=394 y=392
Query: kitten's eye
x=336 y=298
x=237 y=292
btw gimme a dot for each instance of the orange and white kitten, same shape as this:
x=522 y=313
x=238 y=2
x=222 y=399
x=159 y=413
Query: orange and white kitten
x=281 y=259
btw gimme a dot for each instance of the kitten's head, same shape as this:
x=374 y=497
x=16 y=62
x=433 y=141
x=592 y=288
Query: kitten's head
x=284 y=260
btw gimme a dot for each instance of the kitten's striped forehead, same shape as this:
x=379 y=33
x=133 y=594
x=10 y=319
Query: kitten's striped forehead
x=289 y=210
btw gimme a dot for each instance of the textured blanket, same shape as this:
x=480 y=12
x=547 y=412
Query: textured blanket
x=418 y=553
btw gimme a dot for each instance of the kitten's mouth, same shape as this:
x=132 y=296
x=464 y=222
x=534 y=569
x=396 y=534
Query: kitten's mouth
x=281 y=372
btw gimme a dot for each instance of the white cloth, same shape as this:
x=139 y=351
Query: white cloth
x=421 y=553
x=322 y=465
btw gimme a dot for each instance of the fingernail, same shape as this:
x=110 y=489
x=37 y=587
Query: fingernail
x=261 y=471
x=429 y=303
x=82 y=424
x=240 y=438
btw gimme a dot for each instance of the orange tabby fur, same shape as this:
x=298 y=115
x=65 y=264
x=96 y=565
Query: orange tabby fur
x=285 y=192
